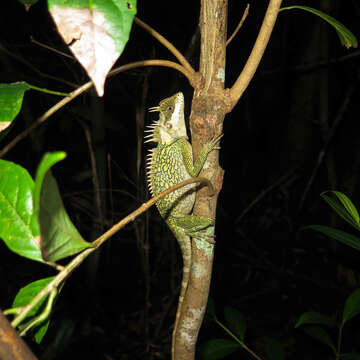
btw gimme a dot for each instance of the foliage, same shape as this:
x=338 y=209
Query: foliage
x=235 y=326
x=346 y=37
x=33 y=219
x=351 y=309
x=35 y=224
x=343 y=206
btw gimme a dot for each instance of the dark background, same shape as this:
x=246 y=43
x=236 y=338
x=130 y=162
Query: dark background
x=121 y=303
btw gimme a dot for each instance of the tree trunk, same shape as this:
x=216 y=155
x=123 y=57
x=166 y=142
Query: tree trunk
x=207 y=115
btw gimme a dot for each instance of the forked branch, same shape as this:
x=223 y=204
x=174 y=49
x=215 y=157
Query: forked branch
x=256 y=54
x=166 y=43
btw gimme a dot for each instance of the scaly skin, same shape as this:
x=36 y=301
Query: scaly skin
x=170 y=163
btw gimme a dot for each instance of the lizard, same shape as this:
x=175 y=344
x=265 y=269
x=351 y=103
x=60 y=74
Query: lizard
x=168 y=164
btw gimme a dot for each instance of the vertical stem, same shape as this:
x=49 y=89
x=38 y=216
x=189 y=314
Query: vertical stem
x=207 y=114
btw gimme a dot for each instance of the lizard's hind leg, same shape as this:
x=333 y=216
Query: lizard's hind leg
x=195 y=226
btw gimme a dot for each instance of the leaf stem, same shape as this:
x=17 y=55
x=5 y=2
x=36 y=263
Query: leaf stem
x=48 y=91
x=338 y=348
x=237 y=340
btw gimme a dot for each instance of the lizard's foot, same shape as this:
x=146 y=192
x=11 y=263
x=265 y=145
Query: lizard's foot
x=214 y=142
x=204 y=235
x=197 y=227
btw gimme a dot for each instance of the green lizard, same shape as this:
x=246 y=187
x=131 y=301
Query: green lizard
x=168 y=164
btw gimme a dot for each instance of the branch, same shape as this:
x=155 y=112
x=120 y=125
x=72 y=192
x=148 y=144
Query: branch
x=257 y=52
x=245 y=14
x=166 y=63
x=339 y=116
x=166 y=43
x=263 y=193
x=190 y=76
x=12 y=347
x=74 y=263
x=208 y=109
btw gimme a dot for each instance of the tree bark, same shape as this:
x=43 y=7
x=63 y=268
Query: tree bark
x=207 y=114
x=211 y=102
x=12 y=346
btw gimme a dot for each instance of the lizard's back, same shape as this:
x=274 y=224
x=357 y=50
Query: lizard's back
x=166 y=168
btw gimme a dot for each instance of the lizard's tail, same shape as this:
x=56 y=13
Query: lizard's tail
x=185 y=246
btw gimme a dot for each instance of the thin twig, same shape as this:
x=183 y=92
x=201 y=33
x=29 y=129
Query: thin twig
x=51 y=48
x=95 y=176
x=257 y=52
x=34 y=69
x=263 y=193
x=245 y=14
x=303 y=68
x=242 y=344
x=323 y=151
x=166 y=43
x=74 y=263
x=45 y=116
x=155 y=62
x=86 y=87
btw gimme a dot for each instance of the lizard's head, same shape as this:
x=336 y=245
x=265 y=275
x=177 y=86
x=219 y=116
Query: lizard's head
x=171 y=123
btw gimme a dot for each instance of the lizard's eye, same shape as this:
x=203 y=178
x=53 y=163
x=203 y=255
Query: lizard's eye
x=168 y=125
x=169 y=108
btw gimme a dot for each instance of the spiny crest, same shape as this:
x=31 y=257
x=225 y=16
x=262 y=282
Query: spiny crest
x=169 y=127
x=152 y=129
x=152 y=132
x=150 y=159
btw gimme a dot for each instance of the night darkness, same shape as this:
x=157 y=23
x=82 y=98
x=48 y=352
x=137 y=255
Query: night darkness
x=120 y=304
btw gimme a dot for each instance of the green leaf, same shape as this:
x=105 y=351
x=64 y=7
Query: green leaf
x=47 y=162
x=40 y=333
x=28 y=292
x=352 y=306
x=350 y=356
x=340 y=210
x=59 y=237
x=236 y=322
x=348 y=205
x=25 y=296
x=19 y=228
x=321 y=335
x=341 y=236
x=347 y=38
x=314 y=318
x=11 y=97
x=274 y=349
x=218 y=349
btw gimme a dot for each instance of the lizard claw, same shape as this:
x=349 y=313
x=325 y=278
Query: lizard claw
x=214 y=142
